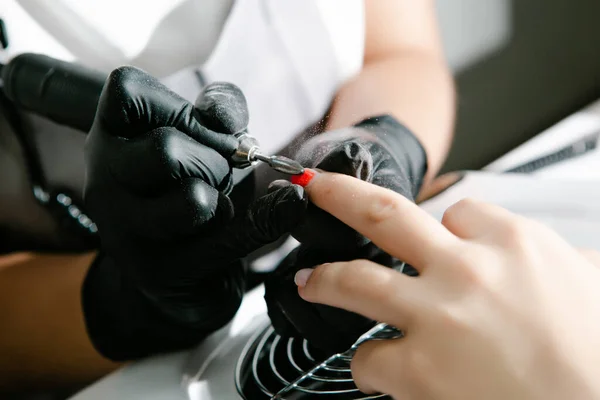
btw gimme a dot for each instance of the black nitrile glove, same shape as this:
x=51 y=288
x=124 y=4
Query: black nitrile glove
x=171 y=269
x=378 y=150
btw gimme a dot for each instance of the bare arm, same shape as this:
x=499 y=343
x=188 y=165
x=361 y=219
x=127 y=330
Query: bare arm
x=43 y=340
x=404 y=75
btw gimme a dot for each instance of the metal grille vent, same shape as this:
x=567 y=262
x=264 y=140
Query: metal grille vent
x=271 y=367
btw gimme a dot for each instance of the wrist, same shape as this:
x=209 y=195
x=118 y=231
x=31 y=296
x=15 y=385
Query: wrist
x=408 y=152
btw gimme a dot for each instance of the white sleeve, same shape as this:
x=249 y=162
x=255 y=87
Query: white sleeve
x=346 y=27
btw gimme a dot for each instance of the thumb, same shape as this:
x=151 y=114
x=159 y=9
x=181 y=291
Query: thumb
x=222 y=107
x=266 y=220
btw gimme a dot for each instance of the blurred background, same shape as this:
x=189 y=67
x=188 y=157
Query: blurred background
x=521 y=66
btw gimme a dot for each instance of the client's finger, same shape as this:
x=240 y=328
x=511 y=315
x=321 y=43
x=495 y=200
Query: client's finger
x=360 y=286
x=470 y=218
x=391 y=221
x=377 y=367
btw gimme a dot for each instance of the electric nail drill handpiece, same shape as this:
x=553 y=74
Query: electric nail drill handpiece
x=68 y=93
x=248 y=152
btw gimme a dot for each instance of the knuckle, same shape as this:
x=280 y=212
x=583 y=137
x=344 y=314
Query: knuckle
x=472 y=277
x=382 y=208
x=517 y=232
x=470 y=265
x=353 y=278
x=451 y=319
x=466 y=256
x=455 y=212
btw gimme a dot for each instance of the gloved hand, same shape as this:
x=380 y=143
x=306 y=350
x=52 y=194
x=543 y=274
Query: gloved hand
x=171 y=265
x=379 y=150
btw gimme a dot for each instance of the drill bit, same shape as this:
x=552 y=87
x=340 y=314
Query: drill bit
x=248 y=152
x=280 y=163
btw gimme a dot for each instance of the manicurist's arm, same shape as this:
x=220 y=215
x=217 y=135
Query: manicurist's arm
x=404 y=75
x=43 y=339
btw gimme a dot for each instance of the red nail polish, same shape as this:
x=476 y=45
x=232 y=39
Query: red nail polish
x=304 y=179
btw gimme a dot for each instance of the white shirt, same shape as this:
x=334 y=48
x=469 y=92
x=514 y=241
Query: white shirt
x=159 y=36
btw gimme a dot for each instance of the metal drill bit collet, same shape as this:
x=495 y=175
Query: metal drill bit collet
x=248 y=153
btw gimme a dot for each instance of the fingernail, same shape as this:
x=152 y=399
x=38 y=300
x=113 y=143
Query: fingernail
x=304 y=179
x=302 y=277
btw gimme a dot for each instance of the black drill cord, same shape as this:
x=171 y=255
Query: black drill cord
x=3 y=35
x=34 y=168
x=57 y=202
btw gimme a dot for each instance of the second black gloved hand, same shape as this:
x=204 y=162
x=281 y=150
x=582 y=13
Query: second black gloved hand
x=171 y=268
x=379 y=150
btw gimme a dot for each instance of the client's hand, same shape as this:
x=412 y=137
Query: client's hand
x=503 y=307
